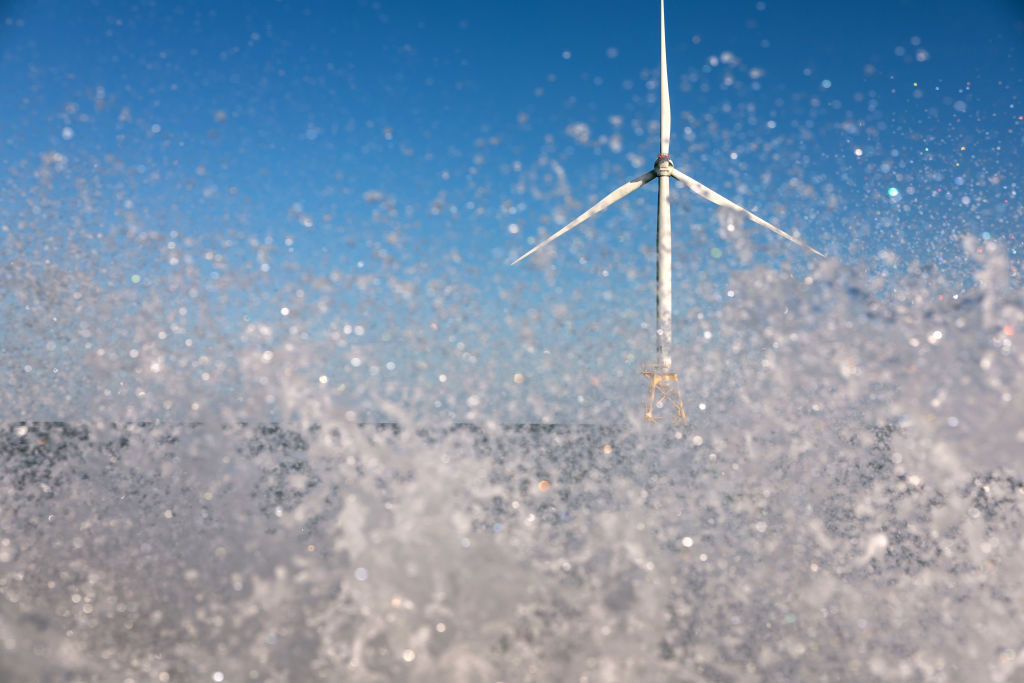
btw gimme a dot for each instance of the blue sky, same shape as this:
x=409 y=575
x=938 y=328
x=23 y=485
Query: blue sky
x=406 y=152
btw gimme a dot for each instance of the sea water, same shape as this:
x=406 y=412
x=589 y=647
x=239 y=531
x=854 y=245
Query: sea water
x=846 y=502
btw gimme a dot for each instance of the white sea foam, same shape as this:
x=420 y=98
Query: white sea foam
x=847 y=505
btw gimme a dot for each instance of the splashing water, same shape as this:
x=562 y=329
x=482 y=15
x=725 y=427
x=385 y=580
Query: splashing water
x=845 y=504
x=273 y=409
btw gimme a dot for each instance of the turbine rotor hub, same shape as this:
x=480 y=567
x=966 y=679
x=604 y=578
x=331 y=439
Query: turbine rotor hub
x=663 y=165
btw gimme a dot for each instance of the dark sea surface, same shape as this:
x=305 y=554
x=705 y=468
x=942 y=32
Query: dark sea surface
x=371 y=552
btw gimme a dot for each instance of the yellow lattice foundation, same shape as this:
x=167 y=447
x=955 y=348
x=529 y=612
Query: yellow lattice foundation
x=664 y=398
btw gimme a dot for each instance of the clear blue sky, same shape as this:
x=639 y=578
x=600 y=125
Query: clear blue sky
x=388 y=159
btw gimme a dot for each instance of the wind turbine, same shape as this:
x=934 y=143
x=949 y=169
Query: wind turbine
x=664 y=383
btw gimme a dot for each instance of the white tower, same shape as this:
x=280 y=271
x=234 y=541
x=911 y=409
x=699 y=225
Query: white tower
x=663 y=382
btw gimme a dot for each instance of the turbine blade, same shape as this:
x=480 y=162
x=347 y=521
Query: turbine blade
x=715 y=198
x=613 y=196
x=666 y=106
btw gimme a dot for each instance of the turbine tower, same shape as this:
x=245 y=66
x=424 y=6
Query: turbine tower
x=663 y=381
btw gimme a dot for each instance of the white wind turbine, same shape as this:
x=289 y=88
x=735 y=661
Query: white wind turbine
x=663 y=382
